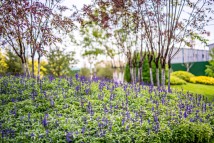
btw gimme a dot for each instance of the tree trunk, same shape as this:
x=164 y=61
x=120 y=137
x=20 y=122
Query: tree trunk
x=24 y=68
x=131 y=73
x=150 y=70
x=157 y=77
x=32 y=62
x=138 y=74
x=27 y=69
x=157 y=70
x=169 y=72
x=91 y=76
x=151 y=76
x=134 y=74
x=163 y=78
x=39 y=65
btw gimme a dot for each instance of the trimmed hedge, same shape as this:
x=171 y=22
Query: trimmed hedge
x=202 y=80
x=183 y=75
x=174 y=80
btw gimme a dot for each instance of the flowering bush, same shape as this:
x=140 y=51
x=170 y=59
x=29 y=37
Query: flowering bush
x=77 y=110
x=183 y=75
x=174 y=80
x=202 y=80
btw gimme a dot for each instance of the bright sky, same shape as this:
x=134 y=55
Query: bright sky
x=80 y=3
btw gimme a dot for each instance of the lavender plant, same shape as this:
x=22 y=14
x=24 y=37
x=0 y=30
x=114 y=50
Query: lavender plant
x=81 y=110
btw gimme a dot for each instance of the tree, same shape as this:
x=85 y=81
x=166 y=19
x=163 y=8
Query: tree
x=13 y=62
x=59 y=62
x=42 y=69
x=95 y=42
x=164 y=26
x=31 y=25
x=3 y=64
x=210 y=68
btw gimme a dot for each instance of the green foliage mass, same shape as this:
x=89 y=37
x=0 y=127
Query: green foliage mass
x=13 y=62
x=85 y=72
x=74 y=110
x=174 y=80
x=210 y=68
x=183 y=75
x=127 y=75
x=104 y=72
x=3 y=64
x=59 y=62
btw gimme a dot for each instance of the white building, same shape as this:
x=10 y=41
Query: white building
x=189 y=55
x=211 y=46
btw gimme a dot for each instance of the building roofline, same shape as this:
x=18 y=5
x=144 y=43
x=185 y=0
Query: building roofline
x=194 y=49
x=210 y=44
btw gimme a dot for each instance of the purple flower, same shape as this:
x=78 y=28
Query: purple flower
x=153 y=108
x=52 y=102
x=77 y=88
x=76 y=76
x=44 y=121
x=123 y=121
x=83 y=130
x=68 y=137
x=155 y=118
x=148 y=121
x=185 y=114
x=87 y=91
x=32 y=135
x=28 y=117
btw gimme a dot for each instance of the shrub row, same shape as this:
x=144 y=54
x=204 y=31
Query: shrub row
x=182 y=77
x=202 y=80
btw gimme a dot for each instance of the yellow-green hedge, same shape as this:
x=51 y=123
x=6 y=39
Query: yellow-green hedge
x=183 y=75
x=176 y=81
x=202 y=80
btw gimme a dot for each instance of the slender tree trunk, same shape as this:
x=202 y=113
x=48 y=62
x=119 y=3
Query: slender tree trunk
x=163 y=78
x=27 y=69
x=150 y=70
x=157 y=70
x=91 y=71
x=169 y=72
x=134 y=73
x=39 y=65
x=32 y=62
x=138 y=74
x=24 y=68
x=151 y=76
x=157 y=77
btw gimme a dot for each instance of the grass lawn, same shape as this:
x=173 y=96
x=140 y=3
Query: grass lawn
x=207 y=90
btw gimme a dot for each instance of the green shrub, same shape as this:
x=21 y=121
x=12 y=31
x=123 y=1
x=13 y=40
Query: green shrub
x=174 y=80
x=104 y=72
x=85 y=72
x=183 y=75
x=127 y=75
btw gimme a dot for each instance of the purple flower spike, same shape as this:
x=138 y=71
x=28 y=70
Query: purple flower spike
x=68 y=137
x=45 y=121
x=185 y=114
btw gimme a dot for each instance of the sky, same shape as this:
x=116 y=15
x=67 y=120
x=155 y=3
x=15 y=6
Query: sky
x=79 y=4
